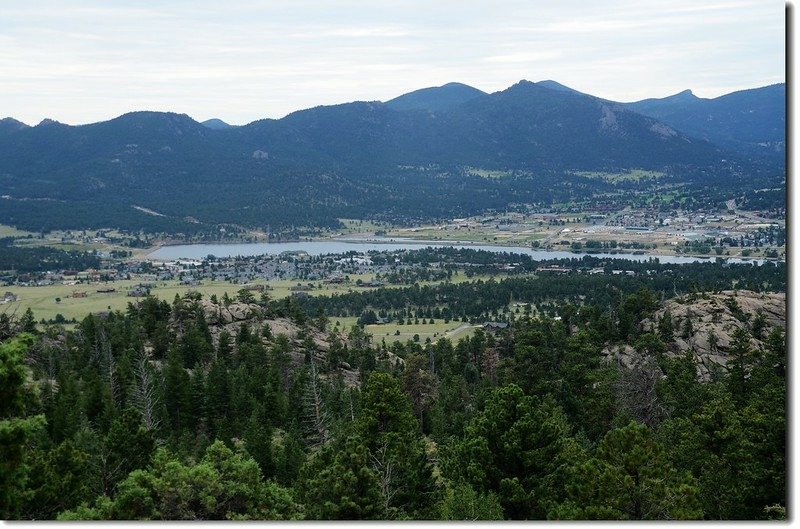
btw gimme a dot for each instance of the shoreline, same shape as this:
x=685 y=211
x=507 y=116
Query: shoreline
x=381 y=240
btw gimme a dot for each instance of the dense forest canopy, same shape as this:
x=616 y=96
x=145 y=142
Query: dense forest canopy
x=152 y=170
x=163 y=412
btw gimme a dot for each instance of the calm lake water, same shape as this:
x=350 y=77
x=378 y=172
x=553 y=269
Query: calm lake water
x=200 y=251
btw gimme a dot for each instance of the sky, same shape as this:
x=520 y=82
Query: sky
x=85 y=61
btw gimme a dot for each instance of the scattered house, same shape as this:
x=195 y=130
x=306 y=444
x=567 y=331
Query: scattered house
x=9 y=297
x=373 y=284
x=355 y=260
x=494 y=326
x=555 y=269
x=79 y=294
x=139 y=291
x=256 y=288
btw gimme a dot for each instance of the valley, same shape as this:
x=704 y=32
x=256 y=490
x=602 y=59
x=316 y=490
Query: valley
x=341 y=307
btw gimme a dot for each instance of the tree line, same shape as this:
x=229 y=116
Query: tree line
x=154 y=413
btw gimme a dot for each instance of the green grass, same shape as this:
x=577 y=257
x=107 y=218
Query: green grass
x=488 y=173
x=393 y=332
x=353 y=226
x=454 y=330
x=11 y=231
x=482 y=235
x=42 y=299
x=634 y=175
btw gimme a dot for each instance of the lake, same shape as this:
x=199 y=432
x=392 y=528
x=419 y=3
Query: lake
x=338 y=246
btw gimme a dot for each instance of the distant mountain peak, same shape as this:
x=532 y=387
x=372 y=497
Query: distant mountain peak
x=555 y=85
x=216 y=124
x=684 y=95
x=154 y=115
x=435 y=98
x=47 y=121
x=12 y=123
x=143 y=119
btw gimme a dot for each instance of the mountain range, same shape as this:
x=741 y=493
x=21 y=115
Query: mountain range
x=420 y=155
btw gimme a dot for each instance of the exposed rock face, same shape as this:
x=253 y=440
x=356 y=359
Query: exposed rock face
x=221 y=318
x=235 y=312
x=714 y=319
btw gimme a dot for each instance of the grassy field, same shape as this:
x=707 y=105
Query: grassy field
x=353 y=226
x=633 y=175
x=10 y=231
x=42 y=299
x=392 y=332
x=488 y=173
x=481 y=235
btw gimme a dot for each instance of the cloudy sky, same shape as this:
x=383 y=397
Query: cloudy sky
x=80 y=62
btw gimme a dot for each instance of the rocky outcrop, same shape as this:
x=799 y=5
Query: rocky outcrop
x=302 y=340
x=217 y=314
x=714 y=318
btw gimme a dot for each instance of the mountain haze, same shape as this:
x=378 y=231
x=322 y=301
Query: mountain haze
x=215 y=123
x=353 y=160
x=555 y=85
x=435 y=98
x=752 y=121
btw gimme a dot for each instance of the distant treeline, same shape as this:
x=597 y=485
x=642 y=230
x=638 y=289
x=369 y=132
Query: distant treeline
x=142 y=415
x=480 y=299
x=41 y=258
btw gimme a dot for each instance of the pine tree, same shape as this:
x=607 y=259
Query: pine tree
x=317 y=418
x=339 y=484
x=17 y=426
x=177 y=396
x=145 y=397
x=130 y=445
x=519 y=448
x=630 y=478
x=395 y=447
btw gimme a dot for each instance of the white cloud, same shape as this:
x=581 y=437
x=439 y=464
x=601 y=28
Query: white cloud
x=253 y=59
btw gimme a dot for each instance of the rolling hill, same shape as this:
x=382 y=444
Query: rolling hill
x=410 y=158
x=435 y=99
x=748 y=121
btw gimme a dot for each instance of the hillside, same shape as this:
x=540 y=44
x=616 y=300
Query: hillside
x=355 y=160
x=706 y=325
x=435 y=99
x=216 y=124
x=750 y=121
